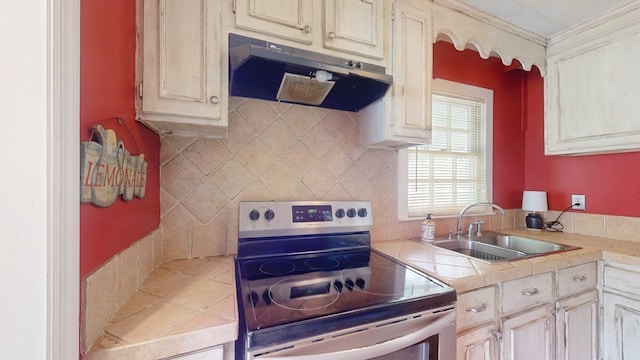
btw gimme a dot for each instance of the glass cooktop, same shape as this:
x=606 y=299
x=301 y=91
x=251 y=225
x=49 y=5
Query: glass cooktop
x=290 y=289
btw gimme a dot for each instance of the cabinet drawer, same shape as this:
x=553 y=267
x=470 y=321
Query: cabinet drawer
x=476 y=307
x=527 y=292
x=621 y=280
x=577 y=279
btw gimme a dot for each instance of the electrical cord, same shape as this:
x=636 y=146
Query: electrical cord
x=555 y=225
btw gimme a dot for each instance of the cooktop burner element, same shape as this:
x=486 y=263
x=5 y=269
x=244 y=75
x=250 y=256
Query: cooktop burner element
x=306 y=268
x=277 y=268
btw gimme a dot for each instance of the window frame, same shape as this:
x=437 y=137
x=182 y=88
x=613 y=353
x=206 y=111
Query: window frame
x=455 y=89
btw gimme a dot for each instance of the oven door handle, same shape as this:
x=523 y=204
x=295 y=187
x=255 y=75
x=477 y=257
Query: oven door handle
x=380 y=349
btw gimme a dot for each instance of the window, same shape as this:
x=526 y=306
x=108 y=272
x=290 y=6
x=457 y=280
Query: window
x=455 y=169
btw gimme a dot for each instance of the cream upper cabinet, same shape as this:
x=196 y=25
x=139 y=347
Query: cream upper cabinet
x=354 y=26
x=289 y=19
x=348 y=26
x=591 y=87
x=184 y=76
x=403 y=117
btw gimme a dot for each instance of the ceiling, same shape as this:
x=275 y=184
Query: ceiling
x=545 y=17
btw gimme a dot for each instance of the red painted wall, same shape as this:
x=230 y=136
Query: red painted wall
x=508 y=134
x=107 y=77
x=610 y=182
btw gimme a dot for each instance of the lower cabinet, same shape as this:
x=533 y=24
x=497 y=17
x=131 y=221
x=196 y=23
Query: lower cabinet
x=528 y=335
x=621 y=317
x=549 y=316
x=477 y=312
x=577 y=327
x=479 y=344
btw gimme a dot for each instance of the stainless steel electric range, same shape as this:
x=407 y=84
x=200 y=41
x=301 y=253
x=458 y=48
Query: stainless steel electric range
x=311 y=287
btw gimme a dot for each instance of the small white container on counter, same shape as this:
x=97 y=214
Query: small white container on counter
x=428 y=229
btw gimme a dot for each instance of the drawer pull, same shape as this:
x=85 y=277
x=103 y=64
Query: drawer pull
x=476 y=309
x=579 y=278
x=531 y=292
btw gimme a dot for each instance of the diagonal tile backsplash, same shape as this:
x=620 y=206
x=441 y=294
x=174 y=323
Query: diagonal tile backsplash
x=274 y=151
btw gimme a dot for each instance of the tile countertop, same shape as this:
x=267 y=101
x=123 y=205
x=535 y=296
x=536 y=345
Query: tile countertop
x=184 y=305
x=465 y=274
x=187 y=305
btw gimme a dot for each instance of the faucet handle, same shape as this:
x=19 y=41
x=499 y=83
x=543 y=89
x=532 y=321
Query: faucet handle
x=479 y=228
x=478 y=225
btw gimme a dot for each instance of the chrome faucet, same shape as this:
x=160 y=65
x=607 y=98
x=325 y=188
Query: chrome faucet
x=464 y=210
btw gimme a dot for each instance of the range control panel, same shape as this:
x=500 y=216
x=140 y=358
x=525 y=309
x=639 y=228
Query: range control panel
x=277 y=218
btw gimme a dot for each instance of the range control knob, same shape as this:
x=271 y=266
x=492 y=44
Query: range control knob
x=351 y=212
x=254 y=298
x=362 y=212
x=349 y=284
x=340 y=213
x=254 y=215
x=337 y=285
x=269 y=214
x=266 y=297
x=360 y=283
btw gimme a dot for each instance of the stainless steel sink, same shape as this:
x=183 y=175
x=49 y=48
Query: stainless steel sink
x=496 y=247
x=480 y=250
x=526 y=245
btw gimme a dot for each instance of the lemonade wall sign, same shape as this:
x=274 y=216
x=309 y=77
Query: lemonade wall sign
x=109 y=171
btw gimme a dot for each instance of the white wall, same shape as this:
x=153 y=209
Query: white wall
x=37 y=281
x=23 y=179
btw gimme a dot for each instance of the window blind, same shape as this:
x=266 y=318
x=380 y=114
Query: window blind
x=451 y=172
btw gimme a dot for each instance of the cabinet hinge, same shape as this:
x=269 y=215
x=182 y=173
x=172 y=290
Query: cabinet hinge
x=601 y=311
x=393 y=13
x=140 y=88
x=233 y=6
x=496 y=334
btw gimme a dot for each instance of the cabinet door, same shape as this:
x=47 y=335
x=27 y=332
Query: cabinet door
x=529 y=335
x=182 y=66
x=589 y=111
x=621 y=327
x=289 y=19
x=354 y=26
x=577 y=327
x=412 y=69
x=479 y=344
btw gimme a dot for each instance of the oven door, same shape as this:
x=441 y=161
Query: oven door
x=428 y=335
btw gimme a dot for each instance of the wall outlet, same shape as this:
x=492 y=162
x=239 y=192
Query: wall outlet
x=579 y=199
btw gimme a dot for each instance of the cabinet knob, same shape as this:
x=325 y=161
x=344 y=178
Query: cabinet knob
x=476 y=309
x=306 y=29
x=214 y=100
x=530 y=292
x=579 y=278
x=331 y=35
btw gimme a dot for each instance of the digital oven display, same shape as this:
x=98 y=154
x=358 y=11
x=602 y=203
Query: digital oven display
x=312 y=213
x=310 y=290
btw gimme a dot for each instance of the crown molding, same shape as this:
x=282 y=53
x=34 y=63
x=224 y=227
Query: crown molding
x=494 y=21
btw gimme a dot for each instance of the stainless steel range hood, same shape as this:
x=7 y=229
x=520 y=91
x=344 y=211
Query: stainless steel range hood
x=265 y=70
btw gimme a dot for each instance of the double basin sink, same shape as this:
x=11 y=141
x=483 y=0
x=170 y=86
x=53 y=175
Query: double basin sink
x=496 y=247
